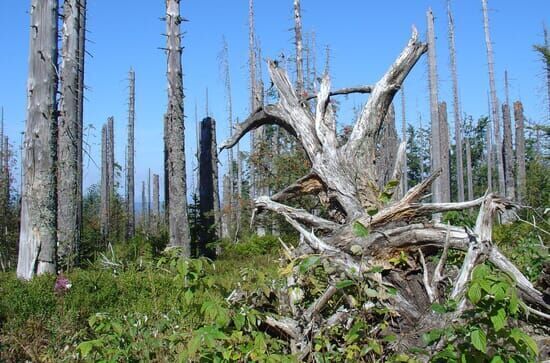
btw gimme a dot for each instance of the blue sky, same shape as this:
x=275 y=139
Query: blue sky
x=364 y=36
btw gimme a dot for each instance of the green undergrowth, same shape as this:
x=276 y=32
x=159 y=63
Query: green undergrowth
x=134 y=304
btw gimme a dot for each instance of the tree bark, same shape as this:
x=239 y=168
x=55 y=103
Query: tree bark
x=229 y=199
x=38 y=236
x=130 y=167
x=387 y=149
x=104 y=208
x=178 y=225
x=520 y=151
x=494 y=99
x=207 y=188
x=435 y=145
x=253 y=100
x=445 y=152
x=456 y=108
x=80 y=113
x=508 y=152
x=405 y=176
x=69 y=139
x=299 y=48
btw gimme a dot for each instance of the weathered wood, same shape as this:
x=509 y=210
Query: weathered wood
x=38 y=239
x=456 y=107
x=252 y=89
x=230 y=206
x=68 y=141
x=494 y=100
x=386 y=152
x=104 y=188
x=435 y=133
x=405 y=174
x=520 y=151
x=178 y=226
x=299 y=48
x=345 y=91
x=444 y=149
x=508 y=152
x=130 y=167
x=156 y=202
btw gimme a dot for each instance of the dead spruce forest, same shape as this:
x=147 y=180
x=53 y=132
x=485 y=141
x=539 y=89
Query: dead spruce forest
x=323 y=239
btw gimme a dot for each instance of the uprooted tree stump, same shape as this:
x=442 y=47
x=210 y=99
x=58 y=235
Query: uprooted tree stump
x=365 y=230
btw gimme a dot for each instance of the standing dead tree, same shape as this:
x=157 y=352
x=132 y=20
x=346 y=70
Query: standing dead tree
x=80 y=110
x=253 y=91
x=494 y=99
x=156 y=203
x=208 y=188
x=435 y=132
x=520 y=151
x=69 y=139
x=345 y=177
x=456 y=108
x=130 y=169
x=298 y=39
x=405 y=177
x=38 y=236
x=507 y=147
x=178 y=225
x=107 y=178
x=444 y=148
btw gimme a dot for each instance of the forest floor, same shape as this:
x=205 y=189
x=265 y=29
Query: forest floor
x=133 y=305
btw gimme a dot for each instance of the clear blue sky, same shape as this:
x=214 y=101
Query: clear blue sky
x=365 y=37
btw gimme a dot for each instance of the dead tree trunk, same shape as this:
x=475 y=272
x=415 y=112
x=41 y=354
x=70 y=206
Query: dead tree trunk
x=80 y=112
x=299 y=48
x=445 y=152
x=386 y=153
x=469 y=176
x=215 y=180
x=177 y=187
x=347 y=175
x=253 y=100
x=130 y=168
x=229 y=199
x=508 y=153
x=68 y=232
x=226 y=207
x=149 y=208
x=494 y=100
x=143 y=207
x=207 y=188
x=156 y=203
x=405 y=176
x=38 y=235
x=520 y=151
x=104 y=209
x=435 y=145
x=456 y=109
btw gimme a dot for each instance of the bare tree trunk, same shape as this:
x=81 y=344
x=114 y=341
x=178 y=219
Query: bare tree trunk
x=520 y=151
x=156 y=202
x=547 y=68
x=445 y=152
x=252 y=85
x=489 y=142
x=143 y=207
x=104 y=209
x=215 y=180
x=130 y=168
x=149 y=213
x=508 y=153
x=227 y=207
x=299 y=48
x=405 y=176
x=38 y=236
x=69 y=138
x=494 y=100
x=456 y=108
x=207 y=188
x=80 y=113
x=177 y=189
x=229 y=199
x=387 y=149
x=469 y=175
x=437 y=187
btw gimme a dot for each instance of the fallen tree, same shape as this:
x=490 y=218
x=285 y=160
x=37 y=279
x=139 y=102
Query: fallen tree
x=366 y=226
